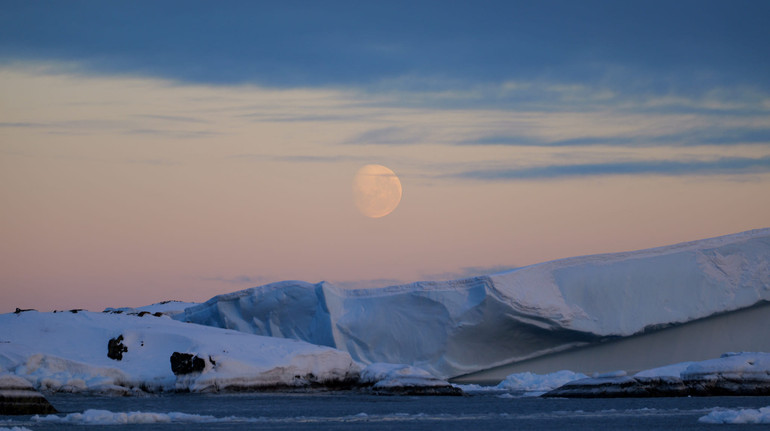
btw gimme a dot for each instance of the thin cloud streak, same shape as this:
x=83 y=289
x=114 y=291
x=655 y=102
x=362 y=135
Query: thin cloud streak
x=710 y=136
x=722 y=166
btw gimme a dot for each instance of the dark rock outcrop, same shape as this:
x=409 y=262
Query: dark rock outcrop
x=186 y=363
x=447 y=390
x=22 y=310
x=18 y=397
x=115 y=348
x=647 y=387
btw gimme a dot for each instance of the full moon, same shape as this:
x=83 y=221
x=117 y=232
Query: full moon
x=376 y=191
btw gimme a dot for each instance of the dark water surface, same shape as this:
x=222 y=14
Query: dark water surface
x=352 y=411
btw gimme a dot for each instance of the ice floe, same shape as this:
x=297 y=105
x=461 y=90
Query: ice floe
x=738 y=416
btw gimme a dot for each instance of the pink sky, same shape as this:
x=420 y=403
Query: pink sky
x=124 y=191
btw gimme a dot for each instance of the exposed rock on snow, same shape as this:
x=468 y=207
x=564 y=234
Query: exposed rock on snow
x=456 y=327
x=404 y=380
x=18 y=397
x=186 y=363
x=745 y=374
x=115 y=348
x=65 y=352
x=167 y=308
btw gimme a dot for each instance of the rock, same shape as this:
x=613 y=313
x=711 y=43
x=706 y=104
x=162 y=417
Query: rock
x=622 y=387
x=18 y=397
x=664 y=386
x=115 y=348
x=22 y=310
x=186 y=363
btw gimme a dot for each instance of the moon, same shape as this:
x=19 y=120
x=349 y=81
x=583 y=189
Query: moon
x=376 y=191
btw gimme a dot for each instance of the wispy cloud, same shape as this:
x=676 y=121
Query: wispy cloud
x=390 y=136
x=704 y=136
x=177 y=118
x=181 y=134
x=298 y=158
x=721 y=166
x=22 y=124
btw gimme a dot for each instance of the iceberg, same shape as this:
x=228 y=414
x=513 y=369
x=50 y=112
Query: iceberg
x=404 y=380
x=531 y=384
x=630 y=310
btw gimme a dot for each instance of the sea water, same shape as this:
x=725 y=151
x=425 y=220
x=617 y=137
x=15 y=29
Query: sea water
x=353 y=411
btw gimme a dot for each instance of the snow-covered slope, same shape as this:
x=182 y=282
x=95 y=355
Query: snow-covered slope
x=455 y=327
x=69 y=352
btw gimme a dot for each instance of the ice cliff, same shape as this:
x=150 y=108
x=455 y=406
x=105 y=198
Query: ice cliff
x=454 y=327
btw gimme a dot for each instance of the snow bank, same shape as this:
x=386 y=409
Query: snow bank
x=69 y=352
x=744 y=366
x=673 y=370
x=455 y=327
x=743 y=416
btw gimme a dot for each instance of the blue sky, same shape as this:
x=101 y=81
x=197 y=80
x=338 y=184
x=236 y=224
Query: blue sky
x=184 y=147
x=646 y=47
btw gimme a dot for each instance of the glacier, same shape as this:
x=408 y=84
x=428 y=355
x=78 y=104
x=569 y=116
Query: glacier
x=648 y=308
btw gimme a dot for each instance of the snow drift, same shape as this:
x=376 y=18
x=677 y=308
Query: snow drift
x=455 y=327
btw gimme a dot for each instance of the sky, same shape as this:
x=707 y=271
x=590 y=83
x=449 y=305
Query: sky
x=168 y=150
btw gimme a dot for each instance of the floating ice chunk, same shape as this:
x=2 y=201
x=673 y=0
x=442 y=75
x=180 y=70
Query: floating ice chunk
x=401 y=378
x=538 y=383
x=741 y=416
x=106 y=417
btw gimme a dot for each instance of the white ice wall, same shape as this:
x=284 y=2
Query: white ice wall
x=456 y=327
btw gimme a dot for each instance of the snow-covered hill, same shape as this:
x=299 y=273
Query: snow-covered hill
x=117 y=353
x=461 y=326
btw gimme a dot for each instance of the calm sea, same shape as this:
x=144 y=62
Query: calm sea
x=351 y=411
